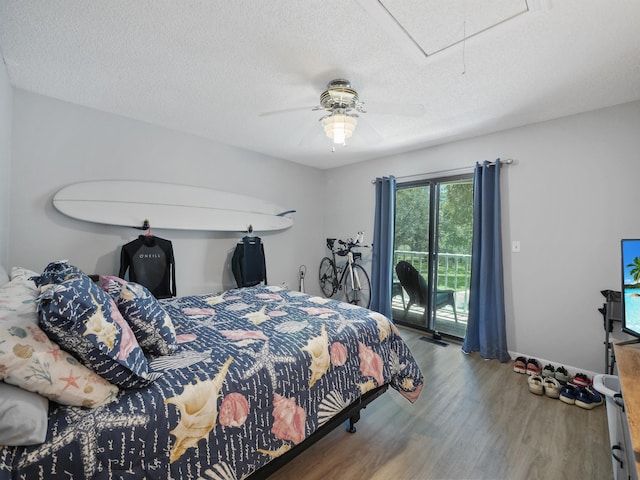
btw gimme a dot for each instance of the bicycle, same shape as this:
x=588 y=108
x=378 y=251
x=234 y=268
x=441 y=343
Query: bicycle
x=350 y=276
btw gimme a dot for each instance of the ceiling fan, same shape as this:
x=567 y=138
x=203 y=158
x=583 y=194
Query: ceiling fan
x=342 y=105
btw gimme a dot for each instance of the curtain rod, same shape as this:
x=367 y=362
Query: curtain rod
x=506 y=161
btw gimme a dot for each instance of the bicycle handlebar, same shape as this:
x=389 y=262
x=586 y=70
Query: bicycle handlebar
x=348 y=244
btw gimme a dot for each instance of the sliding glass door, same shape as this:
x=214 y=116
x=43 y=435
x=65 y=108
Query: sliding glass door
x=432 y=254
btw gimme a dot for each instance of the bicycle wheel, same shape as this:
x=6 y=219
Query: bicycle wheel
x=358 y=296
x=327 y=277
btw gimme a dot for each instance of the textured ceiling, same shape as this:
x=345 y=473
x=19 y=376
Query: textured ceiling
x=214 y=67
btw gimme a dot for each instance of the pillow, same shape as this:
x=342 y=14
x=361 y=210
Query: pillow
x=151 y=325
x=57 y=272
x=30 y=360
x=23 y=416
x=84 y=319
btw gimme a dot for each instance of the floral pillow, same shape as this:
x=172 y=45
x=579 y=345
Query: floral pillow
x=83 y=319
x=30 y=360
x=151 y=325
x=57 y=272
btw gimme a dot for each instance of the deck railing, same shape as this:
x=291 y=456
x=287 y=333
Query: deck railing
x=454 y=272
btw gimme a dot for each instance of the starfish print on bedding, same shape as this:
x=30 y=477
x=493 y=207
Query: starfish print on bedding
x=70 y=380
x=84 y=427
x=215 y=300
x=267 y=360
x=257 y=317
x=341 y=322
x=55 y=353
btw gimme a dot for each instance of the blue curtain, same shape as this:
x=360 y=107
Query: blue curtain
x=382 y=257
x=486 y=331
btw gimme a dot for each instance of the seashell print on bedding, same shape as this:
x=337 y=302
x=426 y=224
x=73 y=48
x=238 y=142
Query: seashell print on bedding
x=199 y=312
x=234 y=410
x=291 y=326
x=370 y=363
x=277 y=452
x=338 y=354
x=288 y=419
x=219 y=471
x=198 y=405
x=384 y=326
x=225 y=403
x=243 y=334
x=330 y=406
x=318 y=348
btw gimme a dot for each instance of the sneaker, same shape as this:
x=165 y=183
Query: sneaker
x=588 y=399
x=520 y=365
x=548 y=371
x=551 y=387
x=581 y=380
x=562 y=375
x=533 y=367
x=535 y=384
x=568 y=394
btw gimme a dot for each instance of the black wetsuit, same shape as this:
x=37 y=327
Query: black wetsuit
x=248 y=263
x=150 y=262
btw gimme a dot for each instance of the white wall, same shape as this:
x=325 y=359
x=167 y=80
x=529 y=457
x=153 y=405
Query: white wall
x=569 y=199
x=6 y=115
x=56 y=143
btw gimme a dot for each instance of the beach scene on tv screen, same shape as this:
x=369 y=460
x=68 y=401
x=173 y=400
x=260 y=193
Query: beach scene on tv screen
x=631 y=283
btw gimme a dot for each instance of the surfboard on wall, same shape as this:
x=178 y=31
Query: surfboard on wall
x=181 y=207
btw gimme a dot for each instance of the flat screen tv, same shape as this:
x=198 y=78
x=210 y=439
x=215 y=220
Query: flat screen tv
x=631 y=287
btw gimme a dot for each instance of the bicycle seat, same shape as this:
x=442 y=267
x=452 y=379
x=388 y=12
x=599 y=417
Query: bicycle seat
x=330 y=243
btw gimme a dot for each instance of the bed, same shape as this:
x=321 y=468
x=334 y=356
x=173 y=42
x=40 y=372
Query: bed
x=248 y=378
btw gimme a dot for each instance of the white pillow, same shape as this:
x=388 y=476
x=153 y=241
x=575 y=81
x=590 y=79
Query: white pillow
x=31 y=361
x=23 y=416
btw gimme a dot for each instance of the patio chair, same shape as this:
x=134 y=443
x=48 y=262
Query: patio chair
x=416 y=287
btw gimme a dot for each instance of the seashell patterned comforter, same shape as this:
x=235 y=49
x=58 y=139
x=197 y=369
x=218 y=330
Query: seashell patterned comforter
x=258 y=370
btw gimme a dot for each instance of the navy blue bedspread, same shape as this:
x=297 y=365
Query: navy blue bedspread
x=258 y=370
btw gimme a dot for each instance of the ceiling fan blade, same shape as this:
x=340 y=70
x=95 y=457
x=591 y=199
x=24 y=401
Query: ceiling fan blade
x=366 y=134
x=313 y=136
x=404 y=109
x=286 y=110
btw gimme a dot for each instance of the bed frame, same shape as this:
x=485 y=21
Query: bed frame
x=351 y=413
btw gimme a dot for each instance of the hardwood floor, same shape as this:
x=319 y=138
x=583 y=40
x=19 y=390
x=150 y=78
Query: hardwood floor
x=475 y=419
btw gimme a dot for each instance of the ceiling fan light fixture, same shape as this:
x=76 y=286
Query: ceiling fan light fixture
x=339 y=126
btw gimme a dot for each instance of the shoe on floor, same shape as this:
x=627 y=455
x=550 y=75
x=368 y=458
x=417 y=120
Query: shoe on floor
x=533 y=367
x=548 y=371
x=588 y=399
x=551 y=387
x=535 y=384
x=520 y=365
x=568 y=394
x=562 y=375
x=581 y=380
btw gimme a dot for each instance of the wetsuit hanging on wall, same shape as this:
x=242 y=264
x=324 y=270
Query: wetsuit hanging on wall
x=248 y=262
x=150 y=262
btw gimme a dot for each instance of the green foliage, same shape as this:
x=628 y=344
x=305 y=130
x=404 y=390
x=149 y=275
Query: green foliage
x=455 y=222
x=456 y=217
x=412 y=214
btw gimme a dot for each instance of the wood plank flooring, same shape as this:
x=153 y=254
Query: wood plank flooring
x=475 y=419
